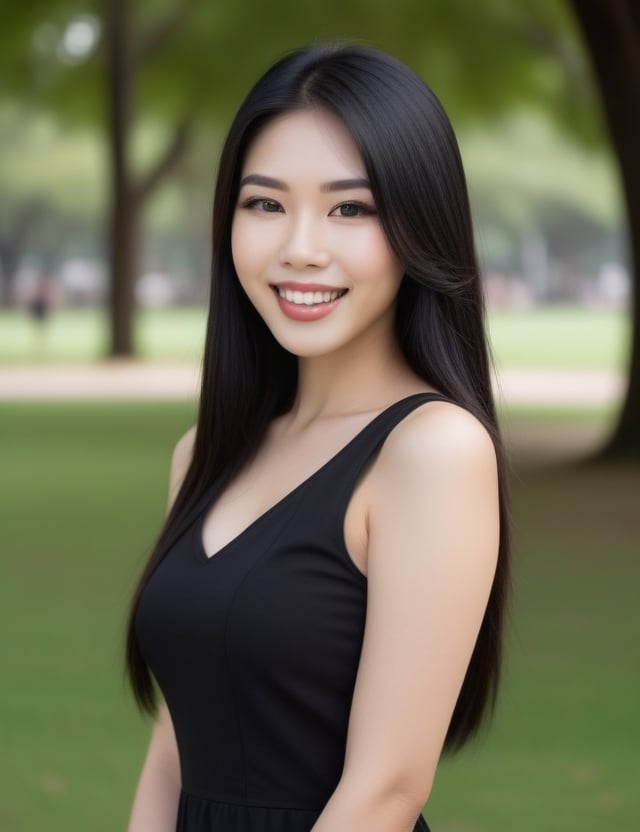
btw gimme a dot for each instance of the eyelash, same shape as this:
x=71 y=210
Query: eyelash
x=364 y=210
x=254 y=202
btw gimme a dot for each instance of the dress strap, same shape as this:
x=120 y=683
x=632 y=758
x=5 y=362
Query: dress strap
x=371 y=439
x=334 y=484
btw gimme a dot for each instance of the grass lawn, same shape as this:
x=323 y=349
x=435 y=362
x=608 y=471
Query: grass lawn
x=81 y=335
x=560 y=336
x=82 y=491
x=547 y=337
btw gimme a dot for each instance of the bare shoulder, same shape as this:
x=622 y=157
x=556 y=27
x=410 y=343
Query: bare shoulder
x=438 y=465
x=180 y=461
x=439 y=436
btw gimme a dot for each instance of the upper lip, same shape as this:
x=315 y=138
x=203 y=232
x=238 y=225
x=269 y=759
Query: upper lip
x=307 y=287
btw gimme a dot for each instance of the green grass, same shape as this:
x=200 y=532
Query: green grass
x=545 y=337
x=81 y=335
x=82 y=492
x=560 y=336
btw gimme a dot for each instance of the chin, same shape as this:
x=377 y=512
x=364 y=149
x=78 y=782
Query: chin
x=306 y=347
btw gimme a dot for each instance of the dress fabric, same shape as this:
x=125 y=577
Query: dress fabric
x=256 y=650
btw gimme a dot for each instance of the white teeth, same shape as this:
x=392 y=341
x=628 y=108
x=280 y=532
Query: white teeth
x=307 y=298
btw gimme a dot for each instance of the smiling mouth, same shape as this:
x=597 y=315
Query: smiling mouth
x=308 y=298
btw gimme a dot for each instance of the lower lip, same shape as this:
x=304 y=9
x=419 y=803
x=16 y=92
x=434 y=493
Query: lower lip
x=302 y=312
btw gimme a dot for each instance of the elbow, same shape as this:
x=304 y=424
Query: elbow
x=405 y=791
x=411 y=790
x=375 y=802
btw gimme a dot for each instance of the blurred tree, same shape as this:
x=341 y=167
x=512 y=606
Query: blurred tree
x=129 y=193
x=612 y=34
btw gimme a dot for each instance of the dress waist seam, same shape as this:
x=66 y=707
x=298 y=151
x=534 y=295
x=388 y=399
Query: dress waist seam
x=247 y=803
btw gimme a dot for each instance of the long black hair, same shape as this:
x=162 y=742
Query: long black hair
x=413 y=164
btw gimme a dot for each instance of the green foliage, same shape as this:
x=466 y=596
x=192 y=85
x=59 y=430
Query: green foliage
x=34 y=67
x=480 y=57
x=40 y=159
x=522 y=163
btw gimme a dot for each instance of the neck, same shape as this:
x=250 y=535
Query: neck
x=367 y=374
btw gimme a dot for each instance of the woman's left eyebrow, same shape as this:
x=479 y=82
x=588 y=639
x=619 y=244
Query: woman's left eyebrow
x=345 y=185
x=264 y=181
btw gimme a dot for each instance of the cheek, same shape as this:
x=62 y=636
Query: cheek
x=372 y=255
x=245 y=253
x=252 y=245
x=239 y=247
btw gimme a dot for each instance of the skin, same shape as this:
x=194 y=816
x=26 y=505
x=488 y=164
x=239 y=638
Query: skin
x=429 y=574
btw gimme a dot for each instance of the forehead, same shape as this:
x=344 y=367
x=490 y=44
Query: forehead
x=310 y=143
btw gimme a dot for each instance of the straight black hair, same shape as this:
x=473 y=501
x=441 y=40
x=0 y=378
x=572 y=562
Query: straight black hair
x=413 y=163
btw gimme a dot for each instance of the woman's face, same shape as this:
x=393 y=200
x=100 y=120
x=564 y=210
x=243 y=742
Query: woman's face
x=306 y=241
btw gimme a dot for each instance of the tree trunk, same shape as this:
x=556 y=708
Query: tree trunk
x=10 y=256
x=123 y=220
x=612 y=33
x=129 y=192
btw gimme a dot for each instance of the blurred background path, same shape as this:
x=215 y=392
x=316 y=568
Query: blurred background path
x=144 y=380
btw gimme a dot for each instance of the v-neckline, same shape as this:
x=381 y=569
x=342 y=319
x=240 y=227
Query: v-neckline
x=199 y=525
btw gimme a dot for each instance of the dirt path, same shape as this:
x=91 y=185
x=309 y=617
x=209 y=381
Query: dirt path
x=141 y=380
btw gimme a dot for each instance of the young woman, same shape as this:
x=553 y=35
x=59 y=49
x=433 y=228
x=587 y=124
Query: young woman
x=323 y=609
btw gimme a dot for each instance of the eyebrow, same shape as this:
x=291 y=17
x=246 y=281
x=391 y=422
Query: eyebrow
x=327 y=187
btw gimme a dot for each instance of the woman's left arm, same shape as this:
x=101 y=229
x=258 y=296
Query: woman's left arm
x=432 y=554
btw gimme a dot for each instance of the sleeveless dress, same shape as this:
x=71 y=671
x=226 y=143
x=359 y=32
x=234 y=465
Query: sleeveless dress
x=256 y=651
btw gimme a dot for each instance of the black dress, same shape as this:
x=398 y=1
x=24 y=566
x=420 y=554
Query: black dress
x=256 y=651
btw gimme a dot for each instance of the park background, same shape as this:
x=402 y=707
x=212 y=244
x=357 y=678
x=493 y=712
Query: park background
x=111 y=116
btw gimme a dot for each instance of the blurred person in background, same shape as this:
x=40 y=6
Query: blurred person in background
x=323 y=610
x=39 y=307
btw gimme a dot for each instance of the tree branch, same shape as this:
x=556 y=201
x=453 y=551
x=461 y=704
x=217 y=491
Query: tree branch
x=165 y=164
x=157 y=36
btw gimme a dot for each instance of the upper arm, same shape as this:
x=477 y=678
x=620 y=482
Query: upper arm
x=432 y=554
x=180 y=461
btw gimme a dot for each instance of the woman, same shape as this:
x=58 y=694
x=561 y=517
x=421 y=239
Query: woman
x=323 y=609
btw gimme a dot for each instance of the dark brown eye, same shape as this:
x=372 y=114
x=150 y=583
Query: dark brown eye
x=269 y=206
x=352 y=209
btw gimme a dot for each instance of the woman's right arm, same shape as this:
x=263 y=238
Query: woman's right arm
x=155 y=805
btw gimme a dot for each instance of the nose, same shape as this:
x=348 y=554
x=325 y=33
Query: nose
x=304 y=245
